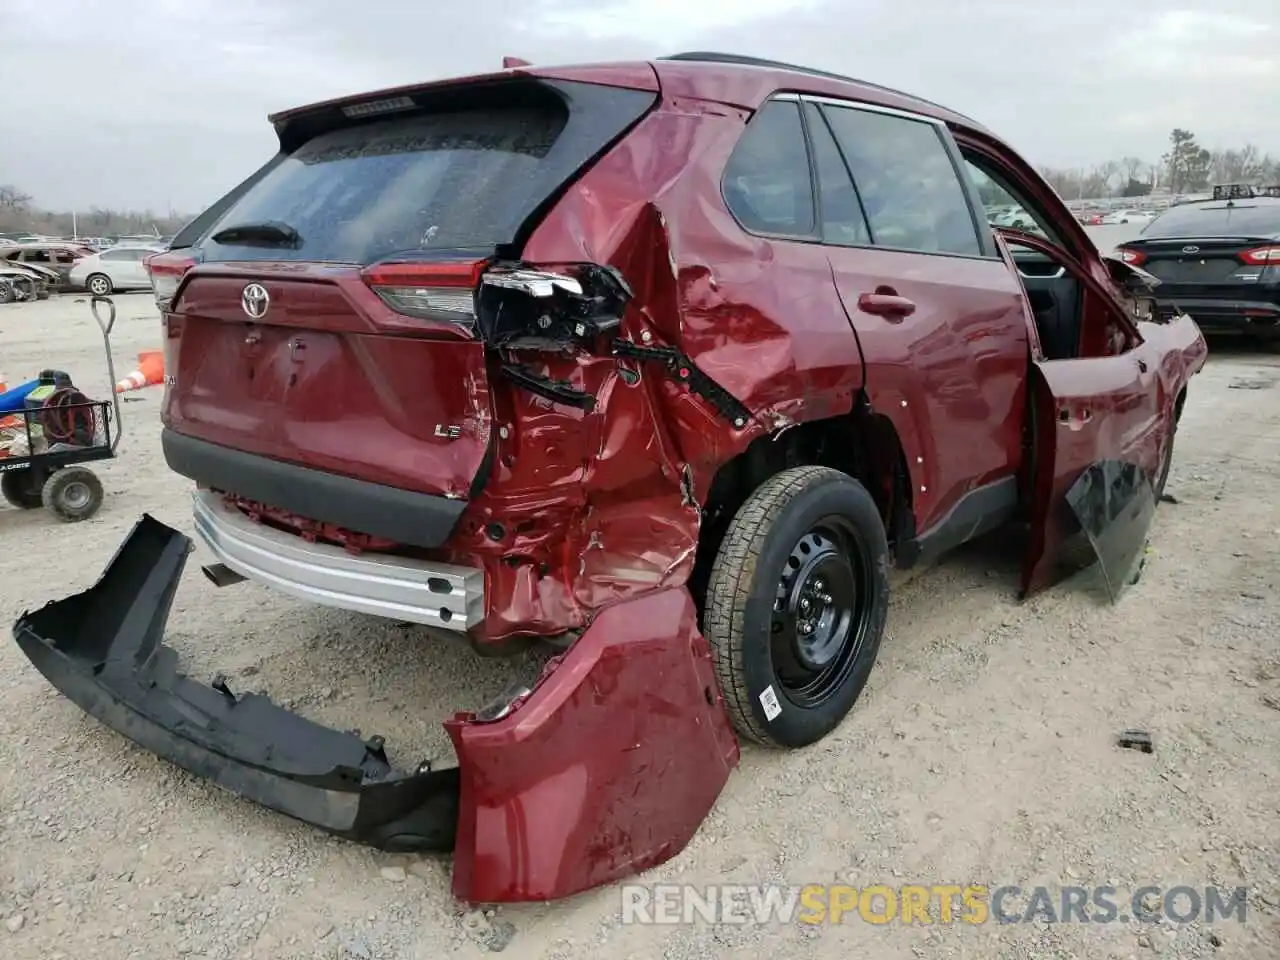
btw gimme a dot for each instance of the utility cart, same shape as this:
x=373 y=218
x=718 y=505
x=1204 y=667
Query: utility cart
x=57 y=430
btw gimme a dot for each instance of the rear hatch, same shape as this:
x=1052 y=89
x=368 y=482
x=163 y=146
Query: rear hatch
x=323 y=313
x=1212 y=250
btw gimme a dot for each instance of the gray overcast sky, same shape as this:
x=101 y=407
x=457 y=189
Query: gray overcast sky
x=151 y=103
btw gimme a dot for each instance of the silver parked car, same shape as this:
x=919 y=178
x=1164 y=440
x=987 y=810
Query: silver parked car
x=119 y=268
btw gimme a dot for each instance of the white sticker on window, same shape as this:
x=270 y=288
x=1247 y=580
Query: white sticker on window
x=769 y=700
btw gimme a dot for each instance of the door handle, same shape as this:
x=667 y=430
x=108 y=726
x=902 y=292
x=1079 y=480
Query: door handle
x=885 y=304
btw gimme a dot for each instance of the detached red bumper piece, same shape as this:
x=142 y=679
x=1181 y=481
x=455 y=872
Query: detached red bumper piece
x=607 y=767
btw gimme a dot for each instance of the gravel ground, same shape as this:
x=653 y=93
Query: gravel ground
x=982 y=752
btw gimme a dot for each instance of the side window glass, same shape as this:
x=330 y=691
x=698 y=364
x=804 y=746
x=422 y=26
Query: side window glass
x=37 y=256
x=767 y=186
x=1001 y=208
x=842 y=221
x=65 y=256
x=110 y=255
x=909 y=187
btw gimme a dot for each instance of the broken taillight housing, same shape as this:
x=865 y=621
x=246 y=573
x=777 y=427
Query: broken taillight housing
x=166 y=271
x=1262 y=256
x=1133 y=257
x=430 y=291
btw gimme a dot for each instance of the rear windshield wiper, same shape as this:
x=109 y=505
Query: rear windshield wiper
x=264 y=233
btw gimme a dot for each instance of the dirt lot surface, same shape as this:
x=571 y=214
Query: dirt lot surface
x=982 y=752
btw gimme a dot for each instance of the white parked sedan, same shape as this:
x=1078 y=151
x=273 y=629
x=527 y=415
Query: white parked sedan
x=1127 y=216
x=120 y=268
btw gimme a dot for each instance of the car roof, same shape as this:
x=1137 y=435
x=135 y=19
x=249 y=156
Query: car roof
x=1240 y=203
x=741 y=81
x=754 y=79
x=48 y=244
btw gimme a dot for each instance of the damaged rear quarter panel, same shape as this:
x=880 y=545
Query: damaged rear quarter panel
x=583 y=508
x=599 y=506
x=760 y=316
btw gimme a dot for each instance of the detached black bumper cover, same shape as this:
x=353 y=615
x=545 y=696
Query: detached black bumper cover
x=102 y=649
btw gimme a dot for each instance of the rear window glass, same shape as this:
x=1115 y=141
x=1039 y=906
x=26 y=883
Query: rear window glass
x=359 y=194
x=1242 y=218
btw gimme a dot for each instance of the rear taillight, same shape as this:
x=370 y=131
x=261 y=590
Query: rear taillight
x=429 y=291
x=1133 y=257
x=166 y=271
x=1261 y=256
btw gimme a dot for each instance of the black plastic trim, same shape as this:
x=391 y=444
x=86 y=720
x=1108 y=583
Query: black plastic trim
x=406 y=516
x=102 y=650
x=976 y=513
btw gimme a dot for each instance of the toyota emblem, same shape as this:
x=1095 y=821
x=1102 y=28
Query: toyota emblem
x=255 y=300
x=1191 y=249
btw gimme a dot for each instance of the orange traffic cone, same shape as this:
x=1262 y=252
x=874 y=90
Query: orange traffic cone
x=151 y=363
x=134 y=381
x=149 y=373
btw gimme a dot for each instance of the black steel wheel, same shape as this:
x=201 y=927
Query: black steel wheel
x=819 y=621
x=22 y=487
x=796 y=605
x=72 y=494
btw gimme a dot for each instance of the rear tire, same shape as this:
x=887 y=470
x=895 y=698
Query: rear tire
x=796 y=605
x=22 y=488
x=72 y=494
x=99 y=284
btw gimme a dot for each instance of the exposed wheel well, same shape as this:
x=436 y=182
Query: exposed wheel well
x=862 y=444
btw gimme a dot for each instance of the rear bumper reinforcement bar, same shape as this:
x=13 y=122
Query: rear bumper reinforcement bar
x=435 y=594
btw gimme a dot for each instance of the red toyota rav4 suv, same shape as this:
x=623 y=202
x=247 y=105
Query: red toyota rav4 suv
x=630 y=358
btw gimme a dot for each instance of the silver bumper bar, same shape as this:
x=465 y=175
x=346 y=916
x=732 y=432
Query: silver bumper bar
x=435 y=594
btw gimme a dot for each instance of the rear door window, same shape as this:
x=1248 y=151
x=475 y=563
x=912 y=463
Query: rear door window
x=909 y=186
x=767 y=183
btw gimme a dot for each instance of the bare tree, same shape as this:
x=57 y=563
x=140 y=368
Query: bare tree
x=11 y=198
x=1134 y=167
x=1110 y=173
